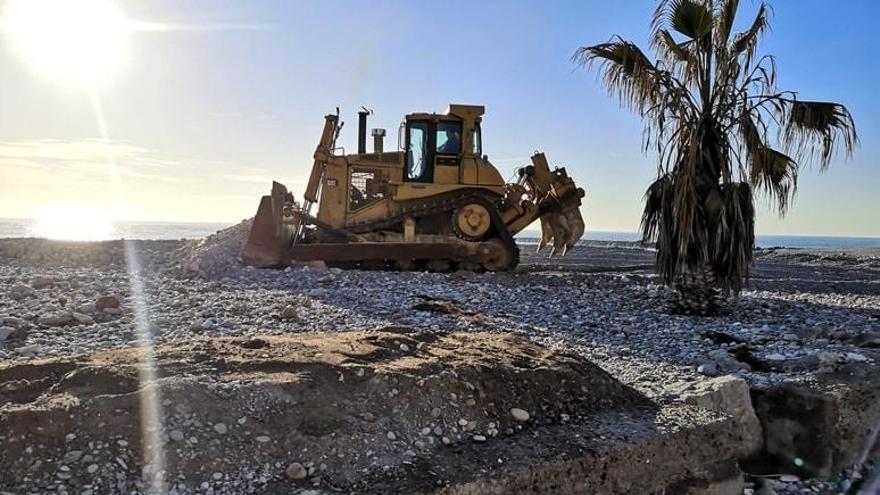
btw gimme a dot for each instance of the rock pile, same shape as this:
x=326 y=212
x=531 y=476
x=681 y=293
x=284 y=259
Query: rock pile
x=217 y=255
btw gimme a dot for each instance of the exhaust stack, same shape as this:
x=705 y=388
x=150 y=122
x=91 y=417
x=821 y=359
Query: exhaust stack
x=362 y=131
x=378 y=140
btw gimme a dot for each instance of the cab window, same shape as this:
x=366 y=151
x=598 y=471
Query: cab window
x=476 y=140
x=416 y=150
x=449 y=138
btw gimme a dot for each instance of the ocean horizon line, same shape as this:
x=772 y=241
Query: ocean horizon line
x=170 y=230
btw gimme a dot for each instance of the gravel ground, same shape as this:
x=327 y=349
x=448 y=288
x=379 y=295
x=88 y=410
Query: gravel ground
x=804 y=313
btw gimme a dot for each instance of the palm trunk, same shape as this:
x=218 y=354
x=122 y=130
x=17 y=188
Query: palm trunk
x=698 y=294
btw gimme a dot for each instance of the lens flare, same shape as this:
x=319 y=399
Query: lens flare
x=73 y=223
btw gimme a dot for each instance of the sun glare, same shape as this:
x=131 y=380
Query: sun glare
x=73 y=223
x=73 y=41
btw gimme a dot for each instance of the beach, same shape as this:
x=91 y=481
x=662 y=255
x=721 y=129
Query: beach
x=808 y=320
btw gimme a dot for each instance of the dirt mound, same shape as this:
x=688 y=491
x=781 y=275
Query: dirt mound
x=356 y=411
x=217 y=255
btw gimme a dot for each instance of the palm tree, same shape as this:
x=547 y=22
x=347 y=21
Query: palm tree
x=721 y=129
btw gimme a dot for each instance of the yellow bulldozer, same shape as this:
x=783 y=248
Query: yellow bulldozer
x=436 y=203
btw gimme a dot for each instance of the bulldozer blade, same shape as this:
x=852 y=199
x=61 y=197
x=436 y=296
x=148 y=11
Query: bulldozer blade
x=266 y=244
x=561 y=230
x=554 y=227
x=546 y=234
x=576 y=227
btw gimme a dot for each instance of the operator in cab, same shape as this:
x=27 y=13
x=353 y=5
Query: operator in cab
x=452 y=146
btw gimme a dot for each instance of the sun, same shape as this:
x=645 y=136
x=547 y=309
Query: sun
x=73 y=222
x=72 y=41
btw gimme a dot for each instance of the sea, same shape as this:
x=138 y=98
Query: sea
x=185 y=230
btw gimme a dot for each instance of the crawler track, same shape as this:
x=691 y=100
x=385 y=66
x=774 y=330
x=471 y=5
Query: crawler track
x=497 y=253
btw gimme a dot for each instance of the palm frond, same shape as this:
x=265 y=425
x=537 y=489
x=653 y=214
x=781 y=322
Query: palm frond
x=724 y=21
x=746 y=42
x=819 y=125
x=680 y=57
x=671 y=50
x=776 y=174
x=627 y=72
x=691 y=18
x=769 y=170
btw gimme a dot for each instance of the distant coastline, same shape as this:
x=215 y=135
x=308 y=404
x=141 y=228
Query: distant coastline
x=10 y=228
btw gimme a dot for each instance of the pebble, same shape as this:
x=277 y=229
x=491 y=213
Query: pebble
x=855 y=357
x=82 y=319
x=520 y=415
x=72 y=456
x=296 y=471
x=709 y=369
x=289 y=312
x=107 y=302
x=262 y=438
x=42 y=282
x=56 y=318
x=220 y=428
x=176 y=435
x=21 y=291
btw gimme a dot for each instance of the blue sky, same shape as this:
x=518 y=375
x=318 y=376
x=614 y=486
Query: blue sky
x=201 y=120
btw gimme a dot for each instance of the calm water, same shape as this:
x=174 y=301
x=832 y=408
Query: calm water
x=175 y=230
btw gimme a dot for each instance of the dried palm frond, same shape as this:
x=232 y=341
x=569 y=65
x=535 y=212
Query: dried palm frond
x=819 y=126
x=626 y=72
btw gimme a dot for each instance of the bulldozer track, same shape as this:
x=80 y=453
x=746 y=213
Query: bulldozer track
x=446 y=204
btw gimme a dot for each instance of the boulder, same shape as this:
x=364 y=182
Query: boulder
x=821 y=428
x=728 y=395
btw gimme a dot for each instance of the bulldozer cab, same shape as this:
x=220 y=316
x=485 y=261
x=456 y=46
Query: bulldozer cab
x=436 y=144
